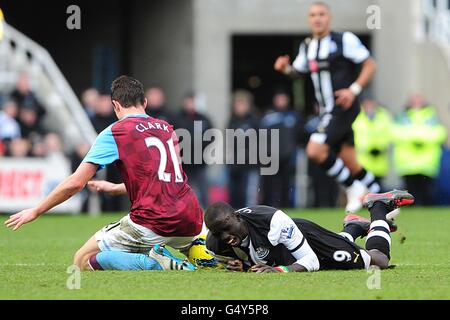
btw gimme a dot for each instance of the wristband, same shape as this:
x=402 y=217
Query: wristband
x=282 y=269
x=355 y=88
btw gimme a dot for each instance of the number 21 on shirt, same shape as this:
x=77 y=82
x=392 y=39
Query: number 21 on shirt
x=162 y=175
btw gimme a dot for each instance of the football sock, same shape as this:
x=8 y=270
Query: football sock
x=335 y=168
x=119 y=260
x=354 y=230
x=368 y=179
x=379 y=235
x=347 y=235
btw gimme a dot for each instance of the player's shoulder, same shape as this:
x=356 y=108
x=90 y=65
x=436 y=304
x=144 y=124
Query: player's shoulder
x=348 y=36
x=258 y=210
x=107 y=132
x=305 y=42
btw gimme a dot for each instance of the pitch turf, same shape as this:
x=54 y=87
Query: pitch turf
x=33 y=264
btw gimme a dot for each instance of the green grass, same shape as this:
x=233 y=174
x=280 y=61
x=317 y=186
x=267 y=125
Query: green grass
x=33 y=264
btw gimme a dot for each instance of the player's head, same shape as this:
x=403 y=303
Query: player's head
x=156 y=98
x=225 y=223
x=126 y=93
x=319 y=18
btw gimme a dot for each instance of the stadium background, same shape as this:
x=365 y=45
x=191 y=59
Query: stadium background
x=213 y=47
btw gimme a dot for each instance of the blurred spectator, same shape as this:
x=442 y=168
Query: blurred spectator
x=156 y=104
x=24 y=97
x=243 y=178
x=278 y=188
x=104 y=114
x=30 y=125
x=196 y=123
x=372 y=130
x=2 y=148
x=53 y=146
x=418 y=138
x=9 y=127
x=19 y=148
x=39 y=149
x=89 y=99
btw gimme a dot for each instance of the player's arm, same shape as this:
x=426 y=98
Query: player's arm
x=297 y=68
x=225 y=254
x=355 y=51
x=283 y=65
x=64 y=191
x=114 y=189
x=368 y=70
x=284 y=230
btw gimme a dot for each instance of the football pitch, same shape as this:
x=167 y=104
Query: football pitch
x=34 y=263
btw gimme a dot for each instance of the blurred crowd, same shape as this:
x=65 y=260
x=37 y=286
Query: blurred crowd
x=409 y=144
x=22 y=131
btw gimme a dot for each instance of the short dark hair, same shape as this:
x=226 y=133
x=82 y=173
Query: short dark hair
x=127 y=91
x=217 y=211
x=321 y=3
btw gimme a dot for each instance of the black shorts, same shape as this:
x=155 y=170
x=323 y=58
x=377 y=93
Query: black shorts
x=334 y=251
x=335 y=129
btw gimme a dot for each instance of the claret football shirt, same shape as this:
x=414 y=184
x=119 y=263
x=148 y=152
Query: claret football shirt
x=145 y=150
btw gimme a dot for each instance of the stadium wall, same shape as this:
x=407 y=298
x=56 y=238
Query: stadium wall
x=215 y=21
x=161 y=46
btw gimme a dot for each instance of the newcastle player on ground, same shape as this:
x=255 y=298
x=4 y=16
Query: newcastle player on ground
x=265 y=239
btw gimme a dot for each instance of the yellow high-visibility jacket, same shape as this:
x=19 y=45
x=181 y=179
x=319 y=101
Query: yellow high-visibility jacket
x=418 y=137
x=372 y=140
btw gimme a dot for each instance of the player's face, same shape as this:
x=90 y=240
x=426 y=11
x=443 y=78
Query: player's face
x=319 y=19
x=231 y=231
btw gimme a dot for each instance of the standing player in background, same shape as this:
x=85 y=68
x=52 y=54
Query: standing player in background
x=331 y=59
x=164 y=208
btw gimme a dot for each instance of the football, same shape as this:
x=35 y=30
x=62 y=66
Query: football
x=200 y=257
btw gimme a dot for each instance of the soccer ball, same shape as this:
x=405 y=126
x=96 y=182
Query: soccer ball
x=199 y=256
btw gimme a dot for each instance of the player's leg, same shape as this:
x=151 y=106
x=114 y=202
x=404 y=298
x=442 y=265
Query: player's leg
x=378 y=242
x=355 y=227
x=113 y=248
x=326 y=143
x=89 y=249
x=320 y=153
x=348 y=155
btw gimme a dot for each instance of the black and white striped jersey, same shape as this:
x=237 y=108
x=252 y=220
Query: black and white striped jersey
x=332 y=64
x=276 y=239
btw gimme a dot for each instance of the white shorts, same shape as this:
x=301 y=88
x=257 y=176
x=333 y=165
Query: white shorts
x=125 y=235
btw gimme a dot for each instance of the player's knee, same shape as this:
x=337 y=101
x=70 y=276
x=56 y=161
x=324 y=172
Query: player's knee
x=379 y=259
x=77 y=258
x=81 y=260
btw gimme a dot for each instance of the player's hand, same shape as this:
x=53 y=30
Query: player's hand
x=235 y=265
x=344 y=98
x=262 y=268
x=17 y=220
x=281 y=63
x=103 y=186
